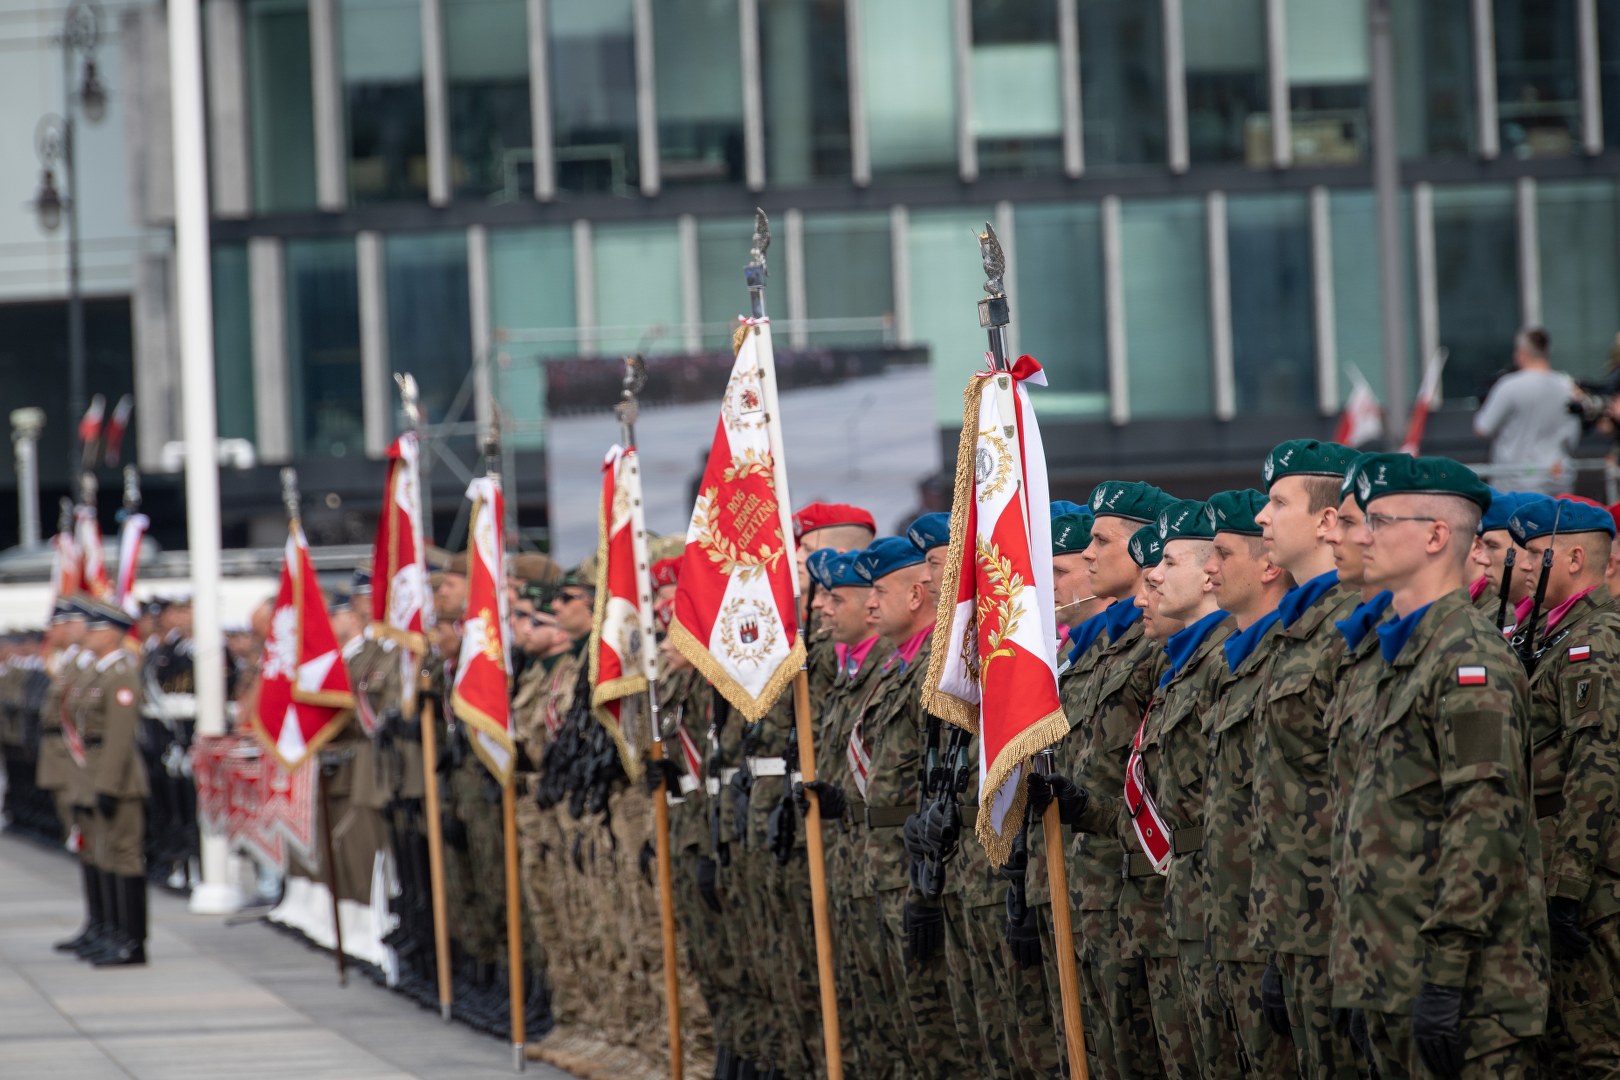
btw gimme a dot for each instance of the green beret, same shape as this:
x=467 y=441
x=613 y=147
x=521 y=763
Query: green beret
x=1306 y=457
x=1347 y=483
x=1131 y=500
x=1234 y=511
x=1378 y=475
x=1146 y=547
x=1071 y=533
x=1185 y=519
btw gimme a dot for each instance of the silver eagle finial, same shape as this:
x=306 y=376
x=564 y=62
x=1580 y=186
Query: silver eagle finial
x=410 y=398
x=635 y=377
x=995 y=261
x=762 y=240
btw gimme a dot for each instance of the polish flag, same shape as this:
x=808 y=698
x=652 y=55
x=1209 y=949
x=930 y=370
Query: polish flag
x=117 y=426
x=92 y=568
x=481 y=694
x=621 y=646
x=1427 y=394
x=1363 y=418
x=399 y=596
x=130 y=534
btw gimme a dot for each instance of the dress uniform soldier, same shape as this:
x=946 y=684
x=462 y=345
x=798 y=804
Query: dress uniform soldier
x=1575 y=758
x=59 y=774
x=1442 y=880
x=108 y=718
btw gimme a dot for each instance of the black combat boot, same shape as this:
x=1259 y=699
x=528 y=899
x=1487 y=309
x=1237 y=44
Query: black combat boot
x=94 y=920
x=111 y=928
x=131 y=948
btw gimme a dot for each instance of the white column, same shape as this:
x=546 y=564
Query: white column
x=646 y=98
x=793 y=225
x=1428 y=291
x=585 y=287
x=435 y=103
x=485 y=391
x=1119 y=370
x=1282 y=141
x=686 y=238
x=1327 y=333
x=154 y=323
x=753 y=95
x=860 y=146
x=1485 y=80
x=900 y=266
x=1529 y=252
x=967 y=148
x=545 y=157
x=1591 y=88
x=228 y=109
x=376 y=386
x=1074 y=143
x=272 y=407
x=215 y=895
x=1220 y=306
x=1175 y=86
x=331 y=149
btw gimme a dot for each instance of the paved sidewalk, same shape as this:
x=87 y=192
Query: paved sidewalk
x=216 y=1001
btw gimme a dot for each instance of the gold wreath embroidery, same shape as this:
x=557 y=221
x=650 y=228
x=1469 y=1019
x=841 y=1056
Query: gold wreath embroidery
x=998 y=613
x=492 y=638
x=762 y=616
x=990 y=486
x=728 y=558
x=748 y=463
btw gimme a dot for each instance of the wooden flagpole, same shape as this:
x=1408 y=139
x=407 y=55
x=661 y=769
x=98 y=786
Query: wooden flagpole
x=666 y=914
x=435 y=837
x=514 y=925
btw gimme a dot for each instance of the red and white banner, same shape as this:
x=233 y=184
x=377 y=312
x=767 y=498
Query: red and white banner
x=304 y=690
x=117 y=427
x=92 y=567
x=1427 y=394
x=1363 y=418
x=64 y=567
x=620 y=646
x=480 y=696
x=735 y=617
x=90 y=430
x=245 y=794
x=130 y=534
x=1151 y=831
x=399 y=596
x=992 y=668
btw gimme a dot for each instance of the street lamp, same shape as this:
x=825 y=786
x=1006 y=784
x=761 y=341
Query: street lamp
x=54 y=143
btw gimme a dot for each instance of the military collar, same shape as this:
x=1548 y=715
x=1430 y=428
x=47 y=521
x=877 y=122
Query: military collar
x=85 y=659
x=1558 y=614
x=110 y=659
x=1238 y=646
x=1393 y=636
x=1477 y=587
x=851 y=658
x=906 y=651
x=1184 y=643
x=1084 y=634
x=1367 y=615
x=1296 y=600
x=352 y=647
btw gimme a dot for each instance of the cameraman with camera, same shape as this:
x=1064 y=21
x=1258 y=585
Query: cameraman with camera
x=1526 y=417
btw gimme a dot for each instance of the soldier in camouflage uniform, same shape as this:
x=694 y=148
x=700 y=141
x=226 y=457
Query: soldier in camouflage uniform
x=1575 y=760
x=1248 y=585
x=1292 y=890
x=1489 y=557
x=1453 y=979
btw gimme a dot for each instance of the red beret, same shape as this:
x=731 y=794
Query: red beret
x=665 y=571
x=829 y=515
x=1614 y=512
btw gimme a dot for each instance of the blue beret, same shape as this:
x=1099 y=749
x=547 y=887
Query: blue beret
x=841 y=572
x=816 y=565
x=1544 y=517
x=1063 y=507
x=884 y=557
x=930 y=531
x=1504 y=504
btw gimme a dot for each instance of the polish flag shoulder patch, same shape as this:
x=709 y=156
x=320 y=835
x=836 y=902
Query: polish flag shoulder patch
x=1578 y=653
x=125 y=696
x=1471 y=676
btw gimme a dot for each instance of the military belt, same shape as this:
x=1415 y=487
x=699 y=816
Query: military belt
x=1182 y=842
x=765 y=767
x=1136 y=864
x=1186 y=841
x=887 y=817
x=1549 y=805
x=713 y=784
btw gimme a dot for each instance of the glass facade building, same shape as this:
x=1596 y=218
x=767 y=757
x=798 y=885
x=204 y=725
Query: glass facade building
x=1184 y=189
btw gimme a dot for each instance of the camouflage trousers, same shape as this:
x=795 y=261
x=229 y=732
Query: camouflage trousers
x=1583 y=1025
x=1397 y=1055
x=1214 y=1035
x=766 y=1028
x=714 y=968
x=1021 y=1037
x=924 y=1002
x=874 y=1034
x=1268 y=1056
x=1323 y=1048
x=1114 y=1008
x=1173 y=1028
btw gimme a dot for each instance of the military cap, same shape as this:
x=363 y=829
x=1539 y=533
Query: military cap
x=1146 y=547
x=582 y=576
x=1185 y=519
x=63 y=611
x=930 y=531
x=1071 y=533
x=1347 y=482
x=828 y=516
x=156 y=606
x=815 y=565
x=1234 y=511
x=533 y=566
x=538 y=593
x=886 y=555
x=1062 y=507
x=360 y=580
x=1546 y=517
x=1403 y=474
x=1614 y=512
x=1131 y=500
x=1306 y=457
x=837 y=570
x=105 y=616
x=181 y=600
x=341 y=600
x=1504 y=504
x=666 y=571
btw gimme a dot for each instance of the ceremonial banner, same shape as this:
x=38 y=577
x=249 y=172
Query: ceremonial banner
x=1363 y=417
x=399 y=597
x=64 y=567
x=90 y=430
x=304 y=687
x=618 y=650
x=480 y=696
x=1428 y=393
x=992 y=667
x=117 y=426
x=735 y=619
x=247 y=796
x=129 y=558
x=92 y=567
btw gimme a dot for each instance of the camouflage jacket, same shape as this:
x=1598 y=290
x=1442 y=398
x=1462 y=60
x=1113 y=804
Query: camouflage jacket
x=1229 y=825
x=1575 y=754
x=1290 y=879
x=1443 y=869
x=686 y=704
x=845 y=843
x=890 y=731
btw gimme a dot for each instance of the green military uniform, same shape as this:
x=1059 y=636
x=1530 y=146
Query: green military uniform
x=107 y=716
x=57 y=772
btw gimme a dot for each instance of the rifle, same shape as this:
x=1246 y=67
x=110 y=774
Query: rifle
x=1502 y=590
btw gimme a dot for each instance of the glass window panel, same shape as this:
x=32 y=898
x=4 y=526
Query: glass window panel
x=1122 y=83
x=486 y=45
x=805 y=78
x=947 y=279
x=1580 y=282
x=1326 y=58
x=722 y=253
x=698 y=69
x=1164 y=266
x=593 y=95
x=1476 y=255
x=1268 y=247
x=323 y=348
x=1060 y=315
x=909 y=87
x=1434 y=77
x=1357 y=306
x=638 y=289
x=1538 y=78
x=848 y=275
x=281 y=113
x=1228 y=112
x=233 y=342
x=382 y=91
x=1609 y=68
x=1017 y=86
x=531 y=307
x=429 y=320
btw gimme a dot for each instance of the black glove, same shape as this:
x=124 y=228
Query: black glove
x=925 y=931
x=1359 y=1035
x=455 y=833
x=941 y=826
x=106 y=805
x=1569 y=941
x=1437 y=1029
x=1272 y=1002
x=1045 y=788
x=782 y=830
x=1023 y=936
x=911 y=835
x=708 y=883
x=662 y=773
x=831 y=796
